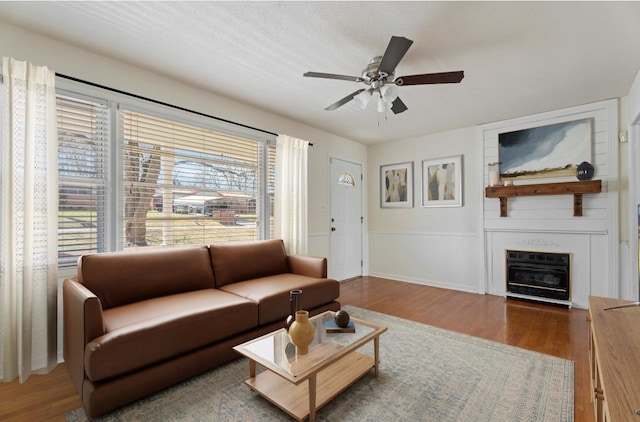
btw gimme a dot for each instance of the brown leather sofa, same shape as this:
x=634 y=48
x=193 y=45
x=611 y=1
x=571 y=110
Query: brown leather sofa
x=136 y=323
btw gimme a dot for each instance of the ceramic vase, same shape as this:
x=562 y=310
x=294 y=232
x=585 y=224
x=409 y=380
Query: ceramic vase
x=301 y=332
x=294 y=303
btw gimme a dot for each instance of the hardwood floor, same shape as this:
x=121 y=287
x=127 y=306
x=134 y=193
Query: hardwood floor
x=543 y=328
x=41 y=398
x=539 y=327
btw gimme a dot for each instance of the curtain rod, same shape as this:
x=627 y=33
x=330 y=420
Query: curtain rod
x=71 y=78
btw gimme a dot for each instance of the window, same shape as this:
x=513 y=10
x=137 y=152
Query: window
x=187 y=185
x=178 y=179
x=83 y=179
x=346 y=179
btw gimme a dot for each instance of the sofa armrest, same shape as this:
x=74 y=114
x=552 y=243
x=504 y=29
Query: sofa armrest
x=82 y=322
x=311 y=266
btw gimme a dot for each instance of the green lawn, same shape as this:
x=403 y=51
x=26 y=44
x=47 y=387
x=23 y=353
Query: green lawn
x=78 y=230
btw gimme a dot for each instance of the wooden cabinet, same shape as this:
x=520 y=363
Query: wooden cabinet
x=614 y=360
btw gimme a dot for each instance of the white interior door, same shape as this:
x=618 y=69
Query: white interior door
x=346 y=220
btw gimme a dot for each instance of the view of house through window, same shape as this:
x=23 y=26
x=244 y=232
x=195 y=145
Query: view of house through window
x=184 y=185
x=176 y=184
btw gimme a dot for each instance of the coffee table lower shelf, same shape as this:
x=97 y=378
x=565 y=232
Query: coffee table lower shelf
x=294 y=399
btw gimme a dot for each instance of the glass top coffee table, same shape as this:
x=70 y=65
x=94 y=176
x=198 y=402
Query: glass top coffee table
x=332 y=364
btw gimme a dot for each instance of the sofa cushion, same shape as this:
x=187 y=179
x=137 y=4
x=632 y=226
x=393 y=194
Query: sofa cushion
x=151 y=331
x=121 y=278
x=239 y=261
x=272 y=294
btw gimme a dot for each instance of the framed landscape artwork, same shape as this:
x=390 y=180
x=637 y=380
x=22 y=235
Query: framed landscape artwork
x=442 y=182
x=396 y=185
x=545 y=151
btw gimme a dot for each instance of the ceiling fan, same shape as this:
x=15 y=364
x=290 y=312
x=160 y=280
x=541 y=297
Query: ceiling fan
x=379 y=76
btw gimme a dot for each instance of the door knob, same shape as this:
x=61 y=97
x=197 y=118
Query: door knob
x=333 y=229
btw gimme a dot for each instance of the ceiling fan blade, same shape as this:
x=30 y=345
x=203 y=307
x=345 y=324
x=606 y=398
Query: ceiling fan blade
x=398 y=106
x=343 y=101
x=431 y=78
x=396 y=49
x=333 y=76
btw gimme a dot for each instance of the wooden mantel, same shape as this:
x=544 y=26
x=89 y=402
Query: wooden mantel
x=577 y=189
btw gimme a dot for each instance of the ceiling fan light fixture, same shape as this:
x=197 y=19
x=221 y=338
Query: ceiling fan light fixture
x=389 y=93
x=363 y=98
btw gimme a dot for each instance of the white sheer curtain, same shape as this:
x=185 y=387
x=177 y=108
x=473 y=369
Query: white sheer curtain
x=28 y=221
x=291 y=193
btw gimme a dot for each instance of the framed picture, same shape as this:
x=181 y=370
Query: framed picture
x=545 y=151
x=442 y=182
x=396 y=185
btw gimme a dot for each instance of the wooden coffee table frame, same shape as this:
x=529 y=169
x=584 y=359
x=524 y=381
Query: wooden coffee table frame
x=328 y=370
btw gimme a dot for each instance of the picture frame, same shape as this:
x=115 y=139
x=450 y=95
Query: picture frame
x=442 y=182
x=552 y=150
x=396 y=185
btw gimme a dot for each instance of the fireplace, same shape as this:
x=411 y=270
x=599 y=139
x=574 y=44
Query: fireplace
x=539 y=275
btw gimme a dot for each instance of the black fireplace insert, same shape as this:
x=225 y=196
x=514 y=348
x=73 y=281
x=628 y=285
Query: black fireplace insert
x=540 y=274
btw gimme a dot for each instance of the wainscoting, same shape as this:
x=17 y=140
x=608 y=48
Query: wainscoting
x=448 y=260
x=319 y=244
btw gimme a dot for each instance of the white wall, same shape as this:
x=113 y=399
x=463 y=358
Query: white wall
x=437 y=246
x=634 y=100
x=633 y=127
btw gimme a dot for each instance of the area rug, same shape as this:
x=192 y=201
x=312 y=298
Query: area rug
x=426 y=374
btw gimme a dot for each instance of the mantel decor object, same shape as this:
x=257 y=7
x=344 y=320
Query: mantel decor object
x=585 y=171
x=550 y=150
x=494 y=174
x=294 y=303
x=302 y=332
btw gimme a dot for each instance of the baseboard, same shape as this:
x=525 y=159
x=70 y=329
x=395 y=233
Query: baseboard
x=425 y=282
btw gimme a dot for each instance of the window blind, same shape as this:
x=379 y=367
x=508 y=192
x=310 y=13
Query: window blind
x=83 y=159
x=188 y=185
x=133 y=174
x=271 y=186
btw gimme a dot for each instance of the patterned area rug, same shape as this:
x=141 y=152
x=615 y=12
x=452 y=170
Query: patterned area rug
x=426 y=374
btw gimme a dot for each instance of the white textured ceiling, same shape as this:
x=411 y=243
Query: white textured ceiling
x=519 y=58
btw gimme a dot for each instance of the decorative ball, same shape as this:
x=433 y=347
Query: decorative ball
x=585 y=171
x=342 y=318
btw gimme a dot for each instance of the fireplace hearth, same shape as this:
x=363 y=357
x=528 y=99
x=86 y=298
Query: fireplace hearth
x=539 y=275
